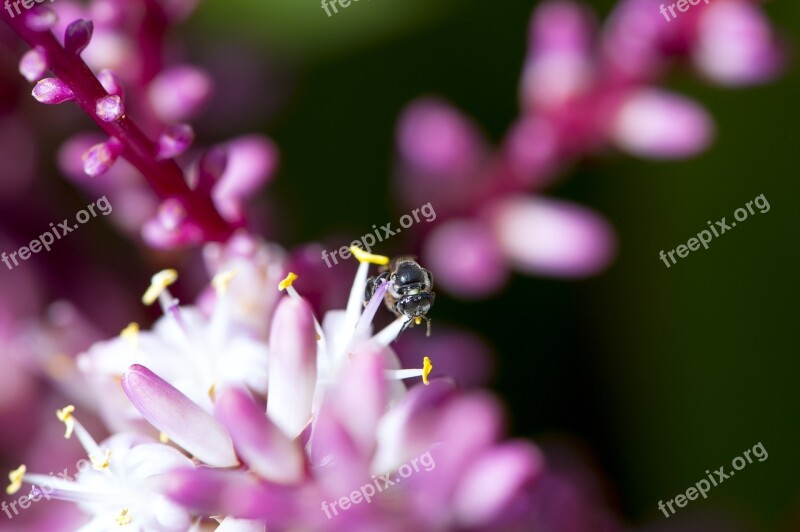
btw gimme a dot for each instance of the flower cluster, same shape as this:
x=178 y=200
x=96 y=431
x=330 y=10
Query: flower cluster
x=201 y=201
x=583 y=91
x=282 y=422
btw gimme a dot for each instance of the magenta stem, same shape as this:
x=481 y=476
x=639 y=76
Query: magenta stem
x=165 y=176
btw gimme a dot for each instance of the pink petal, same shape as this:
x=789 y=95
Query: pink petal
x=179 y=92
x=466 y=258
x=405 y=430
x=465 y=427
x=632 y=40
x=658 y=124
x=360 y=400
x=52 y=91
x=174 y=140
x=552 y=237
x=252 y=161
x=110 y=82
x=561 y=64
x=736 y=45
x=219 y=492
x=41 y=19
x=100 y=157
x=259 y=442
x=493 y=480
x=171 y=228
x=171 y=412
x=436 y=138
x=292 y=366
x=33 y=64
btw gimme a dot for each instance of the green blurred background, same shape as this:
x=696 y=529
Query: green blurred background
x=664 y=373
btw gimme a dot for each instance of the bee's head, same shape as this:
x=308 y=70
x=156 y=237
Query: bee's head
x=416 y=305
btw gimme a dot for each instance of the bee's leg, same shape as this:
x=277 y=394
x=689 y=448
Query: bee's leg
x=428 y=323
x=369 y=290
x=406 y=325
x=372 y=285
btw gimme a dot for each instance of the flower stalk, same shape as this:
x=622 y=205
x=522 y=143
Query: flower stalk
x=164 y=176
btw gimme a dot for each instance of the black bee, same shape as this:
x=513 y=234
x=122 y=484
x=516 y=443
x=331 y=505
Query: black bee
x=410 y=292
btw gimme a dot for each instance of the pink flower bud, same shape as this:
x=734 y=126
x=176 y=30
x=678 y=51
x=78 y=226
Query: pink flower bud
x=175 y=140
x=41 y=19
x=654 y=123
x=100 y=157
x=110 y=108
x=33 y=64
x=77 y=36
x=179 y=92
x=110 y=82
x=52 y=91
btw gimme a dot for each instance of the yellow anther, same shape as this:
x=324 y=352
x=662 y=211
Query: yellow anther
x=163 y=438
x=65 y=415
x=123 y=518
x=212 y=392
x=101 y=463
x=158 y=283
x=131 y=333
x=16 y=479
x=364 y=256
x=222 y=280
x=427 y=367
x=287 y=282
x=418 y=320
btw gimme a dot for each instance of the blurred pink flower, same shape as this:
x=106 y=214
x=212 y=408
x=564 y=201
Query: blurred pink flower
x=584 y=89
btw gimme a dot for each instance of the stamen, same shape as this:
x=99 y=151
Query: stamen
x=222 y=280
x=355 y=304
x=427 y=367
x=16 y=479
x=399 y=374
x=287 y=282
x=65 y=415
x=88 y=443
x=372 y=308
x=212 y=392
x=364 y=256
x=123 y=518
x=390 y=332
x=158 y=284
x=163 y=438
x=101 y=464
x=131 y=334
